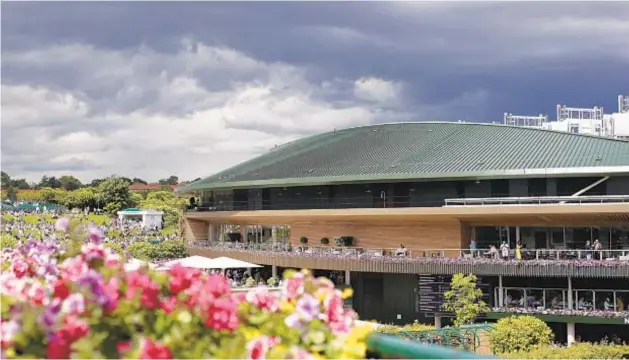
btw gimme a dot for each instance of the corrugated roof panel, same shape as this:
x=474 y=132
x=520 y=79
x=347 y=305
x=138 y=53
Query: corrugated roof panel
x=418 y=150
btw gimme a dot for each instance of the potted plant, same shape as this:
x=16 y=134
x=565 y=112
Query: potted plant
x=338 y=241
x=325 y=241
x=303 y=240
x=271 y=282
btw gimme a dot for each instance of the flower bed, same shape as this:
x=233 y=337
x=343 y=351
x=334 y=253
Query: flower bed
x=76 y=300
x=566 y=312
x=434 y=260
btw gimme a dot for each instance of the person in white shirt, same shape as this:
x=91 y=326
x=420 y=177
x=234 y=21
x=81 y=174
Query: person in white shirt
x=608 y=305
x=401 y=251
x=504 y=249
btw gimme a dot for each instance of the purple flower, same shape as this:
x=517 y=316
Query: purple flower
x=308 y=308
x=62 y=224
x=73 y=304
x=95 y=234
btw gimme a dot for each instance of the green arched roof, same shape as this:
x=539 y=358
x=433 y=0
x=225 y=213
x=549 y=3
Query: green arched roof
x=425 y=151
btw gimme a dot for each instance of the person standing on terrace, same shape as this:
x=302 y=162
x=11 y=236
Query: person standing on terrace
x=588 y=250
x=401 y=251
x=504 y=249
x=473 y=247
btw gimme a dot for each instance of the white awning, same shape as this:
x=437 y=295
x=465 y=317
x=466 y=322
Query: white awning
x=229 y=263
x=196 y=262
x=135 y=264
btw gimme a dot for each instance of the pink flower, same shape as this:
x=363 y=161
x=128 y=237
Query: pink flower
x=62 y=224
x=95 y=234
x=124 y=347
x=263 y=299
x=259 y=347
x=19 y=268
x=222 y=315
x=299 y=353
x=60 y=289
x=8 y=329
x=294 y=286
x=181 y=278
x=91 y=252
x=154 y=350
x=112 y=290
x=73 y=268
x=335 y=315
x=58 y=348
x=73 y=329
x=169 y=305
x=143 y=285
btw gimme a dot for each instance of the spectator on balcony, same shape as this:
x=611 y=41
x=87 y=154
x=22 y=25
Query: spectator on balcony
x=401 y=251
x=493 y=252
x=588 y=250
x=504 y=251
x=597 y=250
x=620 y=306
x=607 y=305
x=518 y=251
x=473 y=247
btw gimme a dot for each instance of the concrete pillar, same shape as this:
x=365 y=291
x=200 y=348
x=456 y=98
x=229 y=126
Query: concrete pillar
x=437 y=322
x=571 y=333
x=348 y=280
x=274 y=234
x=211 y=232
x=570 y=299
x=274 y=271
x=501 y=293
x=517 y=235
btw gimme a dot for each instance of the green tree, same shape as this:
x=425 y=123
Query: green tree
x=464 y=299
x=5 y=180
x=11 y=193
x=114 y=192
x=171 y=180
x=69 y=182
x=20 y=184
x=166 y=201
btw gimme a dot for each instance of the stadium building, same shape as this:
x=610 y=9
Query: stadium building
x=395 y=210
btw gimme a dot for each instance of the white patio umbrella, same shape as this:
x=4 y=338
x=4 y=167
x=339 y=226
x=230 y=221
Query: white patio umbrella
x=135 y=264
x=196 y=262
x=229 y=263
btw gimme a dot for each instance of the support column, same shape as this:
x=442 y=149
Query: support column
x=348 y=280
x=501 y=293
x=517 y=235
x=437 y=322
x=274 y=271
x=570 y=299
x=211 y=232
x=571 y=333
x=274 y=234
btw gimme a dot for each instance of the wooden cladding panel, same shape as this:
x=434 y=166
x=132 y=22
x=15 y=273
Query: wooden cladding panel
x=195 y=229
x=416 y=236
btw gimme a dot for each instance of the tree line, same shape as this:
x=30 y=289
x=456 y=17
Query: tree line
x=110 y=195
x=69 y=182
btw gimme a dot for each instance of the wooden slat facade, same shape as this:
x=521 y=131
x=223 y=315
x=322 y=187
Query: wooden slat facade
x=195 y=229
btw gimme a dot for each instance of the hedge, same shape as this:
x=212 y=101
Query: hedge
x=519 y=333
x=576 y=351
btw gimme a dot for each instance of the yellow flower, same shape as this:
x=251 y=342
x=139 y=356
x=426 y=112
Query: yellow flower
x=347 y=293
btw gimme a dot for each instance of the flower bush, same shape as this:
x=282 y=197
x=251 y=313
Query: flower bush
x=520 y=333
x=76 y=301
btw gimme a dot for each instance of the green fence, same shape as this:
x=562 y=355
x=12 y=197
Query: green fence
x=385 y=346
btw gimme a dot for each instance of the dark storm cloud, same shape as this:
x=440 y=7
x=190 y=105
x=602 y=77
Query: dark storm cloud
x=524 y=57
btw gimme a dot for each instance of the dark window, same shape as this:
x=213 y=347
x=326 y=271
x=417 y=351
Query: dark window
x=499 y=188
x=460 y=189
x=266 y=199
x=537 y=187
x=401 y=194
x=570 y=186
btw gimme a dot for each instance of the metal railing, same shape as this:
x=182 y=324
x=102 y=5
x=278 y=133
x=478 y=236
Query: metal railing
x=557 y=299
x=538 y=254
x=362 y=202
x=553 y=254
x=539 y=200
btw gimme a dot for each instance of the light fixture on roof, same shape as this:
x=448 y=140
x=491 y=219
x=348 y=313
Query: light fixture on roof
x=310 y=170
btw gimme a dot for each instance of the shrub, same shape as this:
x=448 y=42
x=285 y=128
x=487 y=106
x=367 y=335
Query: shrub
x=115 y=247
x=140 y=250
x=325 y=241
x=519 y=333
x=8 y=241
x=576 y=351
x=271 y=282
x=303 y=240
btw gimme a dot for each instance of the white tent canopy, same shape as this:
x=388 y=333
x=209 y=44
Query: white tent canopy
x=196 y=262
x=135 y=264
x=229 y=263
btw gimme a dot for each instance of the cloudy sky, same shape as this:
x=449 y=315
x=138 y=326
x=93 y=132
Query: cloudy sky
x=154 y=89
